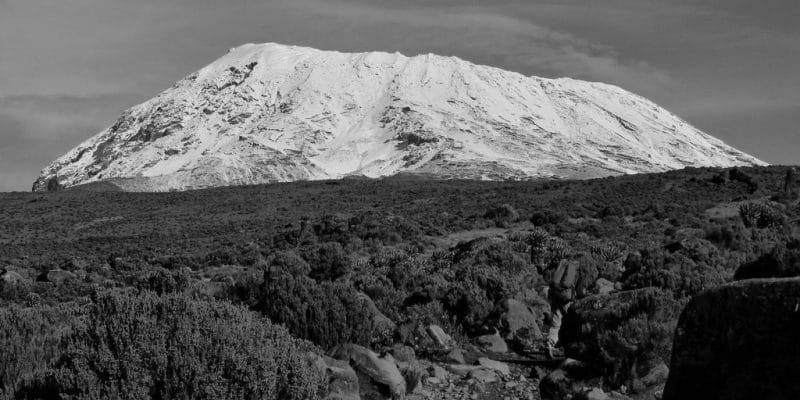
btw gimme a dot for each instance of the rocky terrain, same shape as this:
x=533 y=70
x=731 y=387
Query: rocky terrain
x=274 y=113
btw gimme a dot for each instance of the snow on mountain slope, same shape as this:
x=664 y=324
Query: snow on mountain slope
x=270 y=113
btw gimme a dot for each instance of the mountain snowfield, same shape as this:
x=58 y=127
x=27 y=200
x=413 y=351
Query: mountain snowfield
x=273 y=113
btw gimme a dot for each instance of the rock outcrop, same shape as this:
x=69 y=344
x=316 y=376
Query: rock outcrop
x=737 y=342
x=381 y=370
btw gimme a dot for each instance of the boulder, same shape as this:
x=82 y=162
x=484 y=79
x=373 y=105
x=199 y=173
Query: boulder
x=384 y=326
x=439 y=337
x=738 y=341
x=455 y=356
x=498 y=366
x=342 y=379
x=438 y=372
x=493 y=343
x=520 y=320
x=403 y=353
x=56 y=276
x=12 y=278
x=380 y=370
x=621 y=336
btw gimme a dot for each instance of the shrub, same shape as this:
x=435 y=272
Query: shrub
x=537 y=238
x=148 y=346
x=781 y=262
x=502 y=215
x=673 y=272
x=617 y=333
x=502 y=255
x=548 y=217
x=163 y=281
x=328 y=261
x=288 y=262
x=760 y=215
x=609 y=251
x=30 y=340
x=556 y=249
x=326 y=313
x=469 y=304
x=738 y=175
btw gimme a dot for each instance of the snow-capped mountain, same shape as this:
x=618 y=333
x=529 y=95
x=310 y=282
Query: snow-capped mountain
x=271 y=113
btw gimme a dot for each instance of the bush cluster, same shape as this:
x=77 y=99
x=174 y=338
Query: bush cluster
x=141 y=346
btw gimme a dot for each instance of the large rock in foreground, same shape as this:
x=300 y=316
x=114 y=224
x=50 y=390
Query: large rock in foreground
x=739 y=341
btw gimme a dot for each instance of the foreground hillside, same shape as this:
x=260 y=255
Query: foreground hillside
x=355 y=266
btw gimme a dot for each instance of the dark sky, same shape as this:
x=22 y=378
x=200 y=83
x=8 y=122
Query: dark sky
x=68 y=68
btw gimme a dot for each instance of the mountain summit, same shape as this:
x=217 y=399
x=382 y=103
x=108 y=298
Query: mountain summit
x=273 y=113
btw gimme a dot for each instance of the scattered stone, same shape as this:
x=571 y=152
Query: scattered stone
x=460 y=369
x=483 y=375
x=380 y=370
x=498 y=366
x=493 y=343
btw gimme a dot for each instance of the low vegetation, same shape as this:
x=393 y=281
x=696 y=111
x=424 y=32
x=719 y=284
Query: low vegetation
x=147 y=285
x=141 y=346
